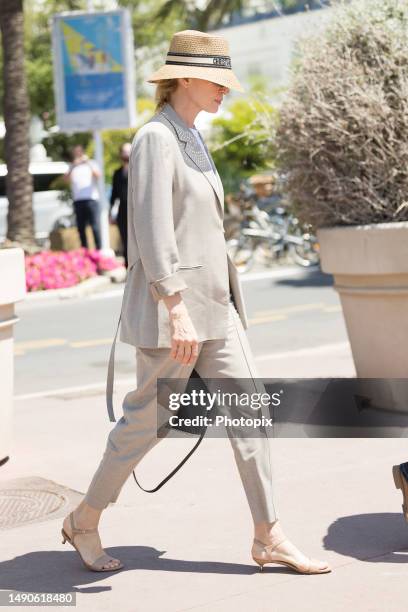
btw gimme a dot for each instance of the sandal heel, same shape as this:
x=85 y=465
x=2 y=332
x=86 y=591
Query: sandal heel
x=260 y=563
x=397 y=477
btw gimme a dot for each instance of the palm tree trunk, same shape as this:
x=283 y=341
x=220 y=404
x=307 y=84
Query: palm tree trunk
x=20 y=218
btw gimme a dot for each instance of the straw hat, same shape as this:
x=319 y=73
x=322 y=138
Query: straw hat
x=199 y=55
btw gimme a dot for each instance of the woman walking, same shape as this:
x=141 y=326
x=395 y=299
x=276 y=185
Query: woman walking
x=182 y=307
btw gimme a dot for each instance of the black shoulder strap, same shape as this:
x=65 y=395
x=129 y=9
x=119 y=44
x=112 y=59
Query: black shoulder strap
x=109 y=403
x=176 y=469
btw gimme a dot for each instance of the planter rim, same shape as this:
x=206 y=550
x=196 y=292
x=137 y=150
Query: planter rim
x=376 y=249
x=366 y=227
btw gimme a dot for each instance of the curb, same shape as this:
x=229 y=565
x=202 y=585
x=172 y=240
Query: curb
x=86 y=287
x=95 y=283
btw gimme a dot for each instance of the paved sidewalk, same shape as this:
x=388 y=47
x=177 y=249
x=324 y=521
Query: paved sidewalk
x=326 y=361
x=187 y=546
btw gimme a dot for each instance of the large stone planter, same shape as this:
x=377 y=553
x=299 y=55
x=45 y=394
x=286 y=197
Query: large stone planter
x=370 y=268
x=12 y=289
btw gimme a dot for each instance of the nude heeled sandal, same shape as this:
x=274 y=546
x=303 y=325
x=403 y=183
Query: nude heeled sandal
x=97 y=565
x=263 y=553
x=401 y=483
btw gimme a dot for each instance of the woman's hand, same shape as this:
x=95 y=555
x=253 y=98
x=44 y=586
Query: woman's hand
x=184 y=344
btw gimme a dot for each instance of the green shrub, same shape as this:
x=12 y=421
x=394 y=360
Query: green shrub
x=240 y=141
x=342 y=140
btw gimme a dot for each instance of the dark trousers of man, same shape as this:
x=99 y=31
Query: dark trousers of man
x=122 y=226
x=87 y=211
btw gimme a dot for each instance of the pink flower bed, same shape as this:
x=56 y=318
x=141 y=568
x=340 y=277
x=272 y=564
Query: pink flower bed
x=58 y=269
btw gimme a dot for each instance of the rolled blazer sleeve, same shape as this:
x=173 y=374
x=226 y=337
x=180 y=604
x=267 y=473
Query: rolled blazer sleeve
x=151 y=166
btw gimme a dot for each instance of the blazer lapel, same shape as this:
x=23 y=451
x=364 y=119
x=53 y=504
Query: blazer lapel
x=194 y=151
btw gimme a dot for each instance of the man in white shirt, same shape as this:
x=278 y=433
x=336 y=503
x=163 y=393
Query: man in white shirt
x=82 y=175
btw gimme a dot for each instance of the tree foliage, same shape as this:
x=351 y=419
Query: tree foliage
x=241 y=141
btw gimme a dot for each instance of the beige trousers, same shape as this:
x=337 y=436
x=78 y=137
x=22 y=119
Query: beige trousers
x=136 y=431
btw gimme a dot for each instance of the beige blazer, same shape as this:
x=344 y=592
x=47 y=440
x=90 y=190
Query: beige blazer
x=175 y=236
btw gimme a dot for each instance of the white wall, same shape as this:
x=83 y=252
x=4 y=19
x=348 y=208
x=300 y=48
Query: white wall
x=266 y=47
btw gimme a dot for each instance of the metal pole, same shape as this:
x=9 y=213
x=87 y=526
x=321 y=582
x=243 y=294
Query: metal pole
x=104 y=204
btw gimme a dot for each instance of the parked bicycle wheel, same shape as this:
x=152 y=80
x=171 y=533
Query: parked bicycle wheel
x=306 y=253
x=242 y=252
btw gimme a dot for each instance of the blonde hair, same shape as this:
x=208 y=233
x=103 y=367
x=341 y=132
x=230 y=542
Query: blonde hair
x=164 y=88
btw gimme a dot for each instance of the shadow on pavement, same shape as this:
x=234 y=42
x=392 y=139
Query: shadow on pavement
x=367 y=537
x=311 y=278
x=59 y=571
